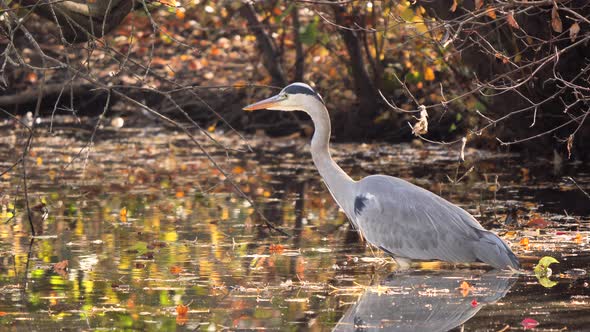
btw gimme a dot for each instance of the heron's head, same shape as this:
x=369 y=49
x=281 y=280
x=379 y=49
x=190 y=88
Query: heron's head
x=294 y=97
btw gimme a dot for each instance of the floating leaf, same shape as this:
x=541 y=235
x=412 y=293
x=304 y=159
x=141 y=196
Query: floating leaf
x=123 y=214
x=465 y=288
x=543 y=272
x=538 y=223
x=529 y=323
x=474 y=303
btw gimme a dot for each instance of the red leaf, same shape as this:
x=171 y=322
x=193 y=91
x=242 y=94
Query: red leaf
x=529 y=323
x=474 y=303
x=538 y=223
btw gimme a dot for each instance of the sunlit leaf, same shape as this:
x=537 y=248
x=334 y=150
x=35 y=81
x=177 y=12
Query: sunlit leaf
x=543 y=271
x=491 y=12
x=474 y=303
x=478 y=4
x=123 y=214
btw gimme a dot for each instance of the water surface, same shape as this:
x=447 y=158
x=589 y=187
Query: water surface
x=150 y=229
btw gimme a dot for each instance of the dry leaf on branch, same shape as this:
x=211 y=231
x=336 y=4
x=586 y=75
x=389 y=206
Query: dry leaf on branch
x=421 y=127
x=574 y=29
x=556 y=20
x=511 y=21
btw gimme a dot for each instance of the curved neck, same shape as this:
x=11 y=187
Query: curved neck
x=338 y=182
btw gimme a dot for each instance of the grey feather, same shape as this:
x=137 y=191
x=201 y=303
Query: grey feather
x=410 y=222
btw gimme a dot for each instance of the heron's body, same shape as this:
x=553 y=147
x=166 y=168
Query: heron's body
x=404 y=220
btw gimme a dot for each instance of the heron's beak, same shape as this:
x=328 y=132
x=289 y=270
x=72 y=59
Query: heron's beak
x=266 y=103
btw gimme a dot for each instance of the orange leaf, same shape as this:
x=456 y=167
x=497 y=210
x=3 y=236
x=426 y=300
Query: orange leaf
x=578 y=238
x=238 y=170
x=465 y=288
x=175 y=270
x=61 y=266
x=3 y=313
x=180 y=13
x=454 y=6
x=524 y=242
x=276 y=249
x=538 y=223
x=182 y=310
x=556 y=20
x=31 y=77
x=511 y=21
x=179 y=194
x=429 y=74
x=123 y=214
x=491 y=12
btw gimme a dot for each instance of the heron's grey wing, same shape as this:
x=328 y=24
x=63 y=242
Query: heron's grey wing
x=408 y=221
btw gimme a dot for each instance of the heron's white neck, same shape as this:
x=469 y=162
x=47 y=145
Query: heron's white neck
x=338 y=182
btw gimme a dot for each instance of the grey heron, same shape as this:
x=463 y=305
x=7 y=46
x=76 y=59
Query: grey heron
x=402 y=219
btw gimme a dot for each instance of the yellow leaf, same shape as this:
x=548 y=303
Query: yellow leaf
x=39 y=161
x=123 y=214
x=429 y=74
x=556 y=20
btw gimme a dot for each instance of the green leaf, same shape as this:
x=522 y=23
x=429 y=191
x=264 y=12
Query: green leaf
x=310 y=33
x=543 y=265
x=543 y=272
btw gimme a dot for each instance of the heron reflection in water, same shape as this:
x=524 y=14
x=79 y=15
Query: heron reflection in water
x=425 y=301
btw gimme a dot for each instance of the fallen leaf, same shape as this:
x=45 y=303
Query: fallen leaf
x=182 y=309
x=538 y=223
x=465 y=288
x=175 y=270
x=556 y=20
x=524 y=242
x=574 y=29
x=529 y=323
x=276 y=249
x=474 y=303
x=123 y=214
x=578 y=238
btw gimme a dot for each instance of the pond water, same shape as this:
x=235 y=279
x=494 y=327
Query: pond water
x=142 y=232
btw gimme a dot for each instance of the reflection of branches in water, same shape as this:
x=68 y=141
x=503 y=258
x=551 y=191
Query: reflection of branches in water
x=84 y=73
